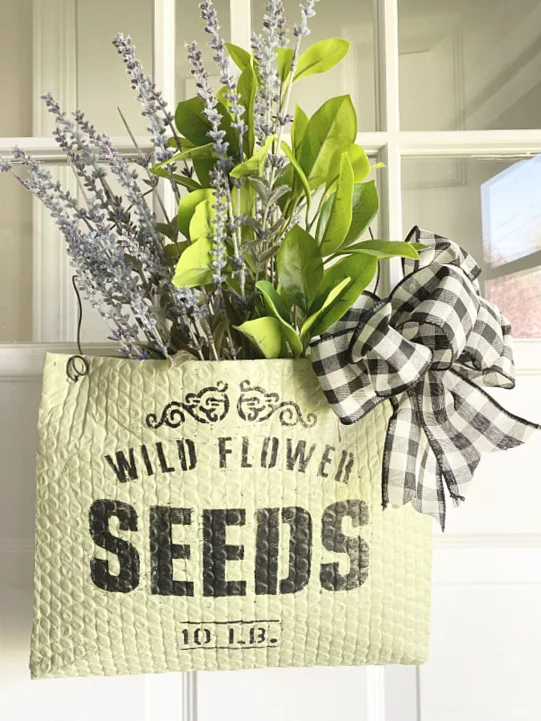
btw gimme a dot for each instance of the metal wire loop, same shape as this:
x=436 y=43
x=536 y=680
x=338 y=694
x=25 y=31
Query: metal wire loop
x=77 y=366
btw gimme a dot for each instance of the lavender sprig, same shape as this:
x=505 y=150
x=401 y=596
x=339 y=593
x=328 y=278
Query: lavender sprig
x=106 y=278
x=264 y=47
x=220 y=57
x=219 y=177
x=153 y=103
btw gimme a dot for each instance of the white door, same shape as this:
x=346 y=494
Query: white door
x=449 y=98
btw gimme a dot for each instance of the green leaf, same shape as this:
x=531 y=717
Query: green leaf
x=359 y=162
x=191 y=122
x=299 y=171
x=247 y=88
x=173 y=251
x=340 y=215
x=298 y=129
x=265 y=333
x=319 y=315
x=365 y=208
x=320 y=57
x=202 y=222
x=332 y=129
x=299 y=265
x=360 y=269
x=170 y=230
x=193 y=268
x=283 y=62
x=272 y=296
x=255 y=164
x=276 y=306
x=201 y=151
x=383 y=249
x=185 y=144
x=241 y=57
x=247 y=205
x=203 y=167
x=186 y=208
x=179 y=179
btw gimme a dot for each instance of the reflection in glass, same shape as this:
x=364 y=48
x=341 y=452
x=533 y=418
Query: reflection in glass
x=519 y=295
x=469 y=65
x=512 y=212
x=493 y=209
x=348 y=19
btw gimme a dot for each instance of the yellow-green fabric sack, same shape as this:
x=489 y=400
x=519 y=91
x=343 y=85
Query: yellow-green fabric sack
x=216 y=515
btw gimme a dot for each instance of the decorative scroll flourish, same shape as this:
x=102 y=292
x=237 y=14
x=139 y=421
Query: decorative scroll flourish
x=209 y=405
x=256 y=405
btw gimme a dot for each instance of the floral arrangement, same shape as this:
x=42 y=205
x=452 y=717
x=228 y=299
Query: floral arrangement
x=264 y=253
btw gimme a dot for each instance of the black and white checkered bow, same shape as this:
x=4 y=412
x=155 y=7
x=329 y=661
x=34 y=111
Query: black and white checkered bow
x=427 y=348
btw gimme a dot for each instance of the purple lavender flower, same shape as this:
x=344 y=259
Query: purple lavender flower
x=220 y=57
x=154 y=105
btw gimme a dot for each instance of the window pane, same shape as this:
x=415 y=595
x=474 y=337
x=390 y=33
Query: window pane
x=349 y=19
x=191 y=27
x=16 y=85
x=470 y=65
x=65 y=47
x=102 y=83
x=493 y=209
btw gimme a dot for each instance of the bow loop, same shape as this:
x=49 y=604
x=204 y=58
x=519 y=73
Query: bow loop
x=392 y=362
x=437 y=306
x=440 y=251
x=427 y=348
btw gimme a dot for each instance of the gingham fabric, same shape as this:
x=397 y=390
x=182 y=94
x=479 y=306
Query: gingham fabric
x=427 y=348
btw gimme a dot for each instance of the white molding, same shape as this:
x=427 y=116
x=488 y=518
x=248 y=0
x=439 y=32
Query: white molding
x=54 y=69
x=486 y=540
x=241 y=22
x=189 y=696
x=483 y=143
x=375 y=693
x=386 y=64
x=24 y=362
x=411 y=143
x=164 y=53
x=46 y=150
x=387 y=116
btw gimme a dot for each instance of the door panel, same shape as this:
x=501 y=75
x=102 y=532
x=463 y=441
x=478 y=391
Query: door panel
x=137 y=698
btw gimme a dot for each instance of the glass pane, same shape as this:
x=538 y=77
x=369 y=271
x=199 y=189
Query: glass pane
x=493 y=209
x=102 y=82
x=16 y=85
x=349 y=19
x=191 y=27
x=469 y=65
x=55 y=47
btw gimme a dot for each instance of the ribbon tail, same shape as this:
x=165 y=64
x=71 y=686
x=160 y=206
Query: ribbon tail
x=410 y=470
x=430 y=493
x=492 y=427
x=400 y=454
x=461 y=421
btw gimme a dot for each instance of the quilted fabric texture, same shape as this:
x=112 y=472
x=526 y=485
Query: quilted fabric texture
x=217 y=516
